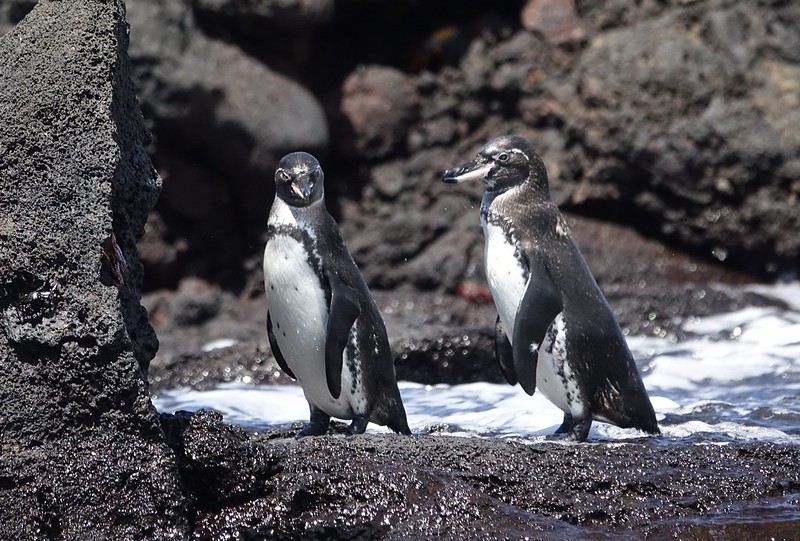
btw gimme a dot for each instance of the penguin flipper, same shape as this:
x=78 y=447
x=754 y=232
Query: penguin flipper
x=276 y=351
x=343 y=313
x=539 y=306
x=504 y=352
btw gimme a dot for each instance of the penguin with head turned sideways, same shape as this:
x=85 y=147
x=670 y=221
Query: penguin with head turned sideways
x=323 y=326
x=555 y=330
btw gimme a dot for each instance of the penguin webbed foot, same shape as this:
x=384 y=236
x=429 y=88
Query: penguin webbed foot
x=571 y=429
x=317 y=426
x=567 y=426
x=358 y=426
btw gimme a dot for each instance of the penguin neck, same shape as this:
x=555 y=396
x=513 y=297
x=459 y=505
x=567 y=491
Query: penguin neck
x=521 y=195
x=283 y=214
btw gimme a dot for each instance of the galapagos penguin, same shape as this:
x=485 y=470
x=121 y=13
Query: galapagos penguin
x=323 y=325
x=555 y=330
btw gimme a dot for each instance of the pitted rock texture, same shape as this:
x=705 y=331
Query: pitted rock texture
x=82 y=455
x=444 y=487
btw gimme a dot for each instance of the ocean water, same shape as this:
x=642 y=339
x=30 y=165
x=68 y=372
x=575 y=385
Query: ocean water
x=737 y=378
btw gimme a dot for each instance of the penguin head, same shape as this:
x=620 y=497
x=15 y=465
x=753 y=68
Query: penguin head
x=299 y=179
x=502 y=163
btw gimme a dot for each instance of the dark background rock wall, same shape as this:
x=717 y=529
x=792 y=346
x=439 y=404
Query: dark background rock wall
x=669 y=130
x=82 y=453
x=677 y=119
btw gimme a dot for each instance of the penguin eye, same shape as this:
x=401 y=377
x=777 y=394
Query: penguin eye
x=502 y=157
x=284 y=176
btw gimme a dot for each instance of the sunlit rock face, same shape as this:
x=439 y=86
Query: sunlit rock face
x=80 y=442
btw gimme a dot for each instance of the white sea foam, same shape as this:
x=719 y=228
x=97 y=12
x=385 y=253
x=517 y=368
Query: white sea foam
x=738 y=380
x=219 y=344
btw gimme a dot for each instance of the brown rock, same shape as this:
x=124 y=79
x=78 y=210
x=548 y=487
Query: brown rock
x=377 y=104
x=557 y=20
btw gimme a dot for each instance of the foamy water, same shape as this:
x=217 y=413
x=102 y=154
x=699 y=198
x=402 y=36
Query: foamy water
x=737 y=379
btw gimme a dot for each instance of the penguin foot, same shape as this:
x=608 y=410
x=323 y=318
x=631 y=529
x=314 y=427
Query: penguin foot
x=567 y=426
x=580 y=429
x=401 y=427
x=317 y=426
x=358 y=426
x=572 y=430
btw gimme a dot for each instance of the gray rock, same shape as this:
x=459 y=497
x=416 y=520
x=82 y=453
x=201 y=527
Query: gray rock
x=677 y=123
x=83 y=454
x=221 y=121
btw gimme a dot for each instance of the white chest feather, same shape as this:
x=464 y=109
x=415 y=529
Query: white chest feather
x=506 y=279
x=299 y=314
x=504 y=274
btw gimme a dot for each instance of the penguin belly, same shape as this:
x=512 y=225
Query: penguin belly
x=506 y=279
x=505 y=274
x=299 y=312
x=554 y=377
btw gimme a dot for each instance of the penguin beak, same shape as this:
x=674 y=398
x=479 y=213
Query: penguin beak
x=469 y=171
x=302 y=186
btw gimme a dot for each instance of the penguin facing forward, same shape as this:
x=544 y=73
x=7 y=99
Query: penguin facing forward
x=555 y=330
x=323 y=325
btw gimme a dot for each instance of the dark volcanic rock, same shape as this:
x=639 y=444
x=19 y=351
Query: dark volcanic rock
x=440 y=487
x=677 y=120
x=684 y=121
x=82 y=455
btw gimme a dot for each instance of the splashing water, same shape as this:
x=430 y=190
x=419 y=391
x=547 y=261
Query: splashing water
x=737 y=378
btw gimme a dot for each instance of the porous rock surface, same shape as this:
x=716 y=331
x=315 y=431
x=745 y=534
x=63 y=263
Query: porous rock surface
x=271 y=486
x=82 y=454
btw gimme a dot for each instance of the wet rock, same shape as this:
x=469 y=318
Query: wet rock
x=377 y=105
x=82 y=453
x=392 y=487
x=205 y=369
x=220 y=462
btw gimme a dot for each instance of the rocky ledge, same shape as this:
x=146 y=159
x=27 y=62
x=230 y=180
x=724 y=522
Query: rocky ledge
x=271 y=486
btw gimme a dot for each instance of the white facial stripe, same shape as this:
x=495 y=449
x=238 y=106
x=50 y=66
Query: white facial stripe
x=518 y=151
x=475 y=174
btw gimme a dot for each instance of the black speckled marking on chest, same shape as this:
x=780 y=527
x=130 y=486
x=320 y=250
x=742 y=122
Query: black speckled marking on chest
x=558 y=350
x=309 y=246
x=507 y=228
x=353 y=365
